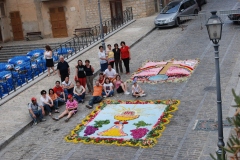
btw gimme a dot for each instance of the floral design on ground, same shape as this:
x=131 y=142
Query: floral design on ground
x=141 y=124
x=127 y=123
x=90 y=130
x=165 y=71
x=139 y=133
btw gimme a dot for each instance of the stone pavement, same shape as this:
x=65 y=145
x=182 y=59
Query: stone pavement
x=198 y=101
x=17 y=107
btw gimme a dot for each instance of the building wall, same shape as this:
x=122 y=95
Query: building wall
x=91 y=10
x=35 y=14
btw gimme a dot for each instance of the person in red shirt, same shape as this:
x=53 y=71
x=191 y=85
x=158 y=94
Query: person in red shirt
x=125 y=56
x=59 y=91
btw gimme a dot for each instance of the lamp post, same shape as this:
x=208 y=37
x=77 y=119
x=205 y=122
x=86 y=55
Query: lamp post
x=214 y=27
x=101 y=25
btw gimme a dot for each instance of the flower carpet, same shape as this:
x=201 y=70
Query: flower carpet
x=165 y=71
x=125 y=123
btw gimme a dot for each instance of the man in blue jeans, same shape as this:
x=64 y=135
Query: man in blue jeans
x=97 y=95
x=36 y=111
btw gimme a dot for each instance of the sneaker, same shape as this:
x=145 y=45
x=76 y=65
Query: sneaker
x=127 y=93
x=82 y=101
x=66 y=120
x=55 y=118
x=35 y=123
x=142 y=95
x=104 y=96
x=43 y=120
x=89 y=107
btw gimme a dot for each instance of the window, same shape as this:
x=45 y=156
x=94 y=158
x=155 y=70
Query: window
x=2 y=10
x=192 y=2
x=186 y=4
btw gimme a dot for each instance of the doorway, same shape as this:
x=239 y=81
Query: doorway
x=58 y=21
x=16 y=24
x=116 y=10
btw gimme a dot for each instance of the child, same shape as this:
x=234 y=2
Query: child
x=137 y=90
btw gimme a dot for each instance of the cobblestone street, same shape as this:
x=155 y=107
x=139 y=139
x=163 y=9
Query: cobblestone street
x=179 y=141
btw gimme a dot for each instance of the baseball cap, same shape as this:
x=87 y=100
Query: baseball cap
x=69 y=96
x=33 y=99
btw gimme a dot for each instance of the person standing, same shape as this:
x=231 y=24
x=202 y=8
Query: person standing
x=125 y=56
x=48 y=55
x=80 y=73
x=117 y=58
x=89 y=70
x=103 y=59
x=63 y=69
x=110 y=55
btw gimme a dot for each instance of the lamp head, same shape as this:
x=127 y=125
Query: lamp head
x=214 y=27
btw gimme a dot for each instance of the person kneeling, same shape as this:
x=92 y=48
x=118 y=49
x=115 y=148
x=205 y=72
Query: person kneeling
x=97 y=95
x=108 y=88
x=71 y=109
x=137 y=90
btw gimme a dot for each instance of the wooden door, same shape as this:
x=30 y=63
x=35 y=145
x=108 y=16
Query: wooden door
x=58 y=21
x=16 y=24
x=116 y=9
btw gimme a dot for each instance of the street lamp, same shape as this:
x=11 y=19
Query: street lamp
x=214 y=27
x=101 y=25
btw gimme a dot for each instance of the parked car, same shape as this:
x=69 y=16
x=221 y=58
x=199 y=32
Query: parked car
x=169 y=16
x=235 y=17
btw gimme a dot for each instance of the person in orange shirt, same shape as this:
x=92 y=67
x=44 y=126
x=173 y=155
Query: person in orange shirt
x=97 y=95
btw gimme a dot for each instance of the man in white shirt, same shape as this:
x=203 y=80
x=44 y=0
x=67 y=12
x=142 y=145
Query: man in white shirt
x=110 y=73
x=67 y=87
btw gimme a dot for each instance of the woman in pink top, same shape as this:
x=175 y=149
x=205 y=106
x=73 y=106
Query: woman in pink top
x=120 y=85
x=71 y=109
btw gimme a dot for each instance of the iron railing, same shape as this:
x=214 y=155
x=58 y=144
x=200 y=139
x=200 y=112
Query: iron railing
x=66 y=49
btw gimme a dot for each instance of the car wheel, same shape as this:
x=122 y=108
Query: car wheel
x=195 y=11
x=177 y=22
x=238 y=20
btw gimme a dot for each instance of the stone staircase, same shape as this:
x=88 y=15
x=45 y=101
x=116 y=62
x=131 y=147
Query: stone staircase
x=10 y=51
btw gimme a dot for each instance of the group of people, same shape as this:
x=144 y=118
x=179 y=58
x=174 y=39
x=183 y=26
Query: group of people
x=115 y=56
x=66 y=92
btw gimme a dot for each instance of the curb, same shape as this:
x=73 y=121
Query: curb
x=21 y=130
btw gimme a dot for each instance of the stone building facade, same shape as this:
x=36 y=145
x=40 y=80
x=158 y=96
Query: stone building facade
x=59 y=18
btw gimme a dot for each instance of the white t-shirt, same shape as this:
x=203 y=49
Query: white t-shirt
x=135 y=89
x=48 y=55
x=110 y=74
x=66 y=84
x=108 y=86
x=102 y=55
x=44 y=100
x=78 y=90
